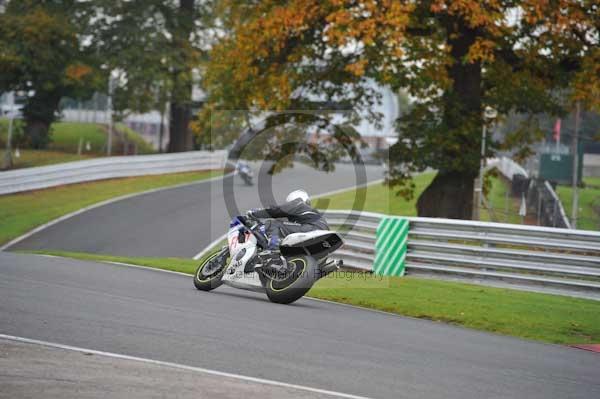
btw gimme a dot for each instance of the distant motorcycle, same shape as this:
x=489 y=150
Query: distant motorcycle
x=246 y=173
x=284 y=275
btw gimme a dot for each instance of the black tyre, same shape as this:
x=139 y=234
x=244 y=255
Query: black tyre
x=292 y=285
x=210 y=272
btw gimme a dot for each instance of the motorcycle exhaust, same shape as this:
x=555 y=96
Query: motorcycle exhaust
x=331 y=266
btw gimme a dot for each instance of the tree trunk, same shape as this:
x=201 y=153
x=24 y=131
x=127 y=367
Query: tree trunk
x=39 y=113
x=37 y=133
x=450 y=194
x=180 y=136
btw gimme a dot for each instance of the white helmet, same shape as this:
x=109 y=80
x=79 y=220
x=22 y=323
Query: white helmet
x=294 y=195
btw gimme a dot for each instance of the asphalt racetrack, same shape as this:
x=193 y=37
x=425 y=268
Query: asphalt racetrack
x=180 y=222
x=161 y=316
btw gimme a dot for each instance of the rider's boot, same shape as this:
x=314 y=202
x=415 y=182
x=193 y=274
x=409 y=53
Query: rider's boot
x=271 y=260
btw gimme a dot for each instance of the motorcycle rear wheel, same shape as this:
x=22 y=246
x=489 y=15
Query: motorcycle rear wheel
x=210 y=272
x=295 y=283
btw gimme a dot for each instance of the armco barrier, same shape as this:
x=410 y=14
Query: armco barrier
x=108 y=168
x=561 y=259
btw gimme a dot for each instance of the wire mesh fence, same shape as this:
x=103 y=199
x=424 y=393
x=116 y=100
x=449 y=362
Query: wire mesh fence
x=538 y=202
x=546 y=205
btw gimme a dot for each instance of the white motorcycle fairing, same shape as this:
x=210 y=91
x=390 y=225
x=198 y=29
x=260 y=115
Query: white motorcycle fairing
x=316 y=243
x=240 y=254
x=243 y=247
x=296 y=239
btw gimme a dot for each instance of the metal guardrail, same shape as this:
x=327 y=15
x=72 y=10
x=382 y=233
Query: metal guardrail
x=568 y=260
x=108 y=168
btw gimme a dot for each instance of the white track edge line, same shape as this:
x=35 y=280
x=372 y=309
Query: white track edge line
x=144 y=267
x=341 y=190
x=209 y=247
x=183 y=367
x=99 y=204
x=156 y=269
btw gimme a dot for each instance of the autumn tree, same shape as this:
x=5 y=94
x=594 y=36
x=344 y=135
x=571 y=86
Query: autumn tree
x=454 y=57
x=42 y=55
x=154 y=46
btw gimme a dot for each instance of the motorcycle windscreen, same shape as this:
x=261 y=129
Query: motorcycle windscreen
x=318 y=247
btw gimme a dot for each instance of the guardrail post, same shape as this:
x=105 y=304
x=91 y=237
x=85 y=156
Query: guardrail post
x=391 y=246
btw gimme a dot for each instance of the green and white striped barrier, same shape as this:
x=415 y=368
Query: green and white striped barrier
x=391 y=246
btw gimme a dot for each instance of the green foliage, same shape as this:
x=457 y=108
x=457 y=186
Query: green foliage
x=43 y=57
x=156 y=48
x=142 y=40
x=454 y=57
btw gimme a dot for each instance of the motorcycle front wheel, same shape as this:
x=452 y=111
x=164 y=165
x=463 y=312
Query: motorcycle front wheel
x=291 y=285
x=210 y=272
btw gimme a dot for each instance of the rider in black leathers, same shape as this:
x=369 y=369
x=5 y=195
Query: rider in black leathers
x=300 y=215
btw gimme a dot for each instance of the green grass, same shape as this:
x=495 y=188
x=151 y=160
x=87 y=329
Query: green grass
x=589 y=204
x=498 y=201
x=379 y=198
x=542 y=317
x=592 y=181
x=548 y=318
x=65 y=137
x=22 y=212
x=132 y=136
x=173 y=264
x=31 y=158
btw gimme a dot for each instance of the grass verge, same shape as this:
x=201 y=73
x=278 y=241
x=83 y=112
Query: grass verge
x=541 y=317
x=65 y=138
x=22 y=212
x=66 y=135
x=378 y=198
x=504 y=208
x=181 y=265
x=29 y=158
x=589 y=203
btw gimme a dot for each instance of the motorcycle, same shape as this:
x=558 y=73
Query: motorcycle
x=285 y=275
x=246 y=174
